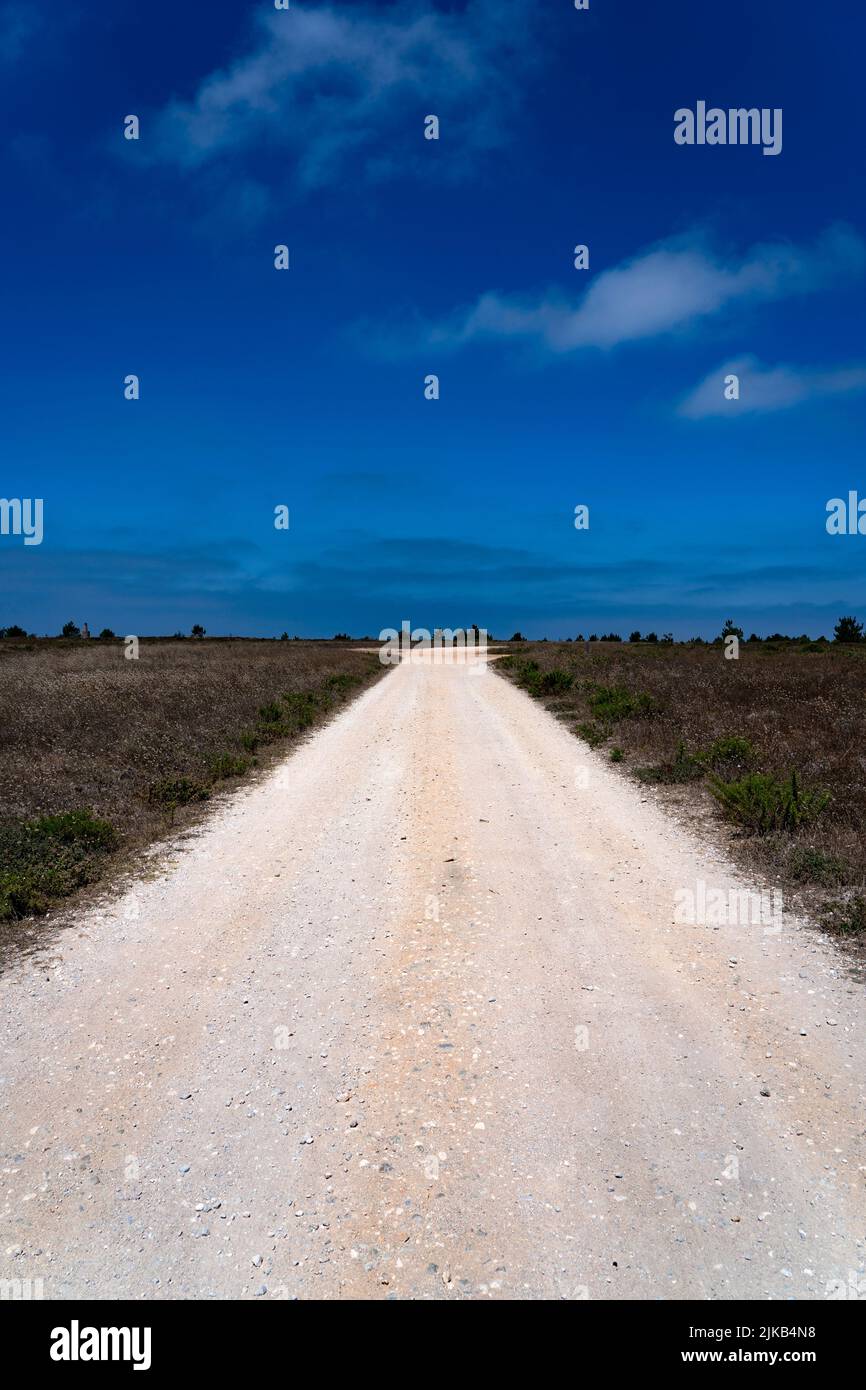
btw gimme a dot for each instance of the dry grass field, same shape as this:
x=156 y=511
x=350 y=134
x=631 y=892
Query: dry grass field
x=99 y=753
x=772 y=745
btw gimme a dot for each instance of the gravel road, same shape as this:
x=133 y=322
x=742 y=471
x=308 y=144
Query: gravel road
x=412 y=1018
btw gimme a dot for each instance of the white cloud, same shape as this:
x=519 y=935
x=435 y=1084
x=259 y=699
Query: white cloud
x=344 y=87
x=764 y=389
x=664 y=289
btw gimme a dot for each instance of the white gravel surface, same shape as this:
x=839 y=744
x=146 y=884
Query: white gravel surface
x=412 y=1018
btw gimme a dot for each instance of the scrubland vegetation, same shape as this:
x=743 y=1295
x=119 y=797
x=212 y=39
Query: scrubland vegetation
x=99 y=754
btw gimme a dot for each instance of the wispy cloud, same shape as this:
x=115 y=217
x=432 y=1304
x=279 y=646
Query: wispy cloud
x=333 y=87
x=664 y=289
x=764 y=389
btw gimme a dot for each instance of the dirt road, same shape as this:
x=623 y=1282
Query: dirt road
x=413 y=1018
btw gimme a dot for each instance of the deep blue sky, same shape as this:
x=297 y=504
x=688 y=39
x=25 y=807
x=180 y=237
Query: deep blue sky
x=412 y=257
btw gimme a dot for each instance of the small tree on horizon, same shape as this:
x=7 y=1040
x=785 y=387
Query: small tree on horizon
x=70 y=630
x=197 y=630
x=848 y=630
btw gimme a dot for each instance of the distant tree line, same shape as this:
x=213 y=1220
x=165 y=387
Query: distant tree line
x=847 y=629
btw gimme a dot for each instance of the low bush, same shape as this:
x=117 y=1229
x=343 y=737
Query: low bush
x=540 y=683
x=228 y=765
x=271 y=713
x=554 y=683
x=846 y=917
x=808 y=865
x=176 y=791
x=301 y=710
x=761 y=803
x=341 y=684
x=610 y=703
x=591 y=733
x=682 y=768
x=49 y=858
x=75 y=827
x=728 y=756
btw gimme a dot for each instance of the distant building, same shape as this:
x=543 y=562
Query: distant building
x=85 y=630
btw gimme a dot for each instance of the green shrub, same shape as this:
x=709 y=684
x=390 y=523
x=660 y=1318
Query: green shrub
x=683 y=768
x=612 y=702
x=228 y=765
x=271 y=733
x=341 y=684
x=761 y=803
x=813 y=866
x=846 y=918
x=729 y=755
x=249 y=740
x=271 y=714
x=75 y=827
x=616 y=755
x=527 y=673
x=591 y=733
x=541 y=683
x=176 y=791
x=300 y=712
x=49 y=858
x=555 y=682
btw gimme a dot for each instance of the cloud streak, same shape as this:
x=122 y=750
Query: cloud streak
x=350 y=86
x=663 y=290
x=766 y=389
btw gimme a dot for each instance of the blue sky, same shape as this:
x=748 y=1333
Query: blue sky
x=410 y=257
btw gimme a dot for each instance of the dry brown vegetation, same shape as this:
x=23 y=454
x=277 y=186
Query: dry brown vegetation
x=133 y=743
x=686 y=720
